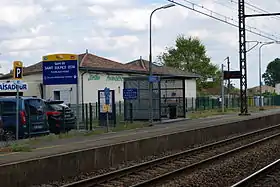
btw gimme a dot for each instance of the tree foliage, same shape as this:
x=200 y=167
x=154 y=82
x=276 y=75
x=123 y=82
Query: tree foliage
x=272 y=73
x=189 y=54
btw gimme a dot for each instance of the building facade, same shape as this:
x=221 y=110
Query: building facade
x=95 y=73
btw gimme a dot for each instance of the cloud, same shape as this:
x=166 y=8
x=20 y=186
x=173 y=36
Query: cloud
x=15 y=15
x=120 y=29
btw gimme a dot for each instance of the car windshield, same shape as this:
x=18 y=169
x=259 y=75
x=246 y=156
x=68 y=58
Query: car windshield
x=35 y=105
x=57 y=106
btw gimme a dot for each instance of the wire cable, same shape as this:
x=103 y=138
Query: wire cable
x=255 y=10
x=225 y=19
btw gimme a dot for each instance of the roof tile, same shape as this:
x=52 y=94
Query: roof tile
x=92 y=61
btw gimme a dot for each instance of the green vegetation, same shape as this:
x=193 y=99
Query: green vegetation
x=19 y=147
x=120 y=127
x=189 y=54
x=272 y=73
x=214 y=112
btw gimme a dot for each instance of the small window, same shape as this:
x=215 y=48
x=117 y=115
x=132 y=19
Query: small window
x=8 y=107
x=56 y=95
x=34 y=105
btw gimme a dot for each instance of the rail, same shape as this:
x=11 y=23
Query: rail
x=253 y=177
x=139 y=175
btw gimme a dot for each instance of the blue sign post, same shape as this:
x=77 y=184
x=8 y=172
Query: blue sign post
x=62 y=69
x=107 y=95
x=60 y=72
x=154 y=78
x=130 y=93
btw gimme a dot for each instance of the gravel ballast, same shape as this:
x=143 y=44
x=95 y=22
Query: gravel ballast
x=230 y=170
x=210 y=153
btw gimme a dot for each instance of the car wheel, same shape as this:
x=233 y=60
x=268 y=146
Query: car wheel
x=9 y=136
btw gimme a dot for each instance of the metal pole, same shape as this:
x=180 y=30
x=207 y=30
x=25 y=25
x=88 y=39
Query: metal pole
x=77 y=98
x=150 y=62
x=228 y=92
x=260 y=76
x=17 y=111
x=107 y=120
x=260 y=71
x=151 y=72
x=223 y=90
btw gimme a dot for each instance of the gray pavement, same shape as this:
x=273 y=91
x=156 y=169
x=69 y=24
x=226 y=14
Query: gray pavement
x=62 y=146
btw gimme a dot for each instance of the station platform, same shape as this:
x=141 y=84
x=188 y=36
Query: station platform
x=80 y=143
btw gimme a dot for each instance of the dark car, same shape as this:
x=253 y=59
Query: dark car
x=32 y=117
x=60 y=117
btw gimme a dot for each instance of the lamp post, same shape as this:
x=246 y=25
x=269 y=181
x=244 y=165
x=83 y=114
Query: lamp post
x=260 y=69
x=150 y=62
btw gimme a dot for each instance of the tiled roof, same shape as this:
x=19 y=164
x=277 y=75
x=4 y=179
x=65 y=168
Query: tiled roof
x=143 y=65
x=91 y=61
x=86 y=60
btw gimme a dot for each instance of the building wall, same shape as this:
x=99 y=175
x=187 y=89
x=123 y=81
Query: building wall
x=190 y=88
x=92 y=83
x=190 y=93
x=33 y=82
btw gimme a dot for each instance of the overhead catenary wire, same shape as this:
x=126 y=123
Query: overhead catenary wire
x=224 y=19
x=256 y=9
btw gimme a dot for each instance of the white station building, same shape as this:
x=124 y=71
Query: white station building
x=95 y=73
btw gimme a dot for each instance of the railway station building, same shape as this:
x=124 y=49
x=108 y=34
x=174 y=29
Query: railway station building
x=95 y=73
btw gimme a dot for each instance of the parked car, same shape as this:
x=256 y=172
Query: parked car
x=32 y=118
x=60 y=117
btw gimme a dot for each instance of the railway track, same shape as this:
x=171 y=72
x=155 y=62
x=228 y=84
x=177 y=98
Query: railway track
x=151 y=172
x=267 y=176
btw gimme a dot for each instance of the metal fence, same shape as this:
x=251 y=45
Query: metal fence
x=89 y=111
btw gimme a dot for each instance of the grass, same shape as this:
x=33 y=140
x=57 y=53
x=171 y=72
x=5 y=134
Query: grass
x=119 y=127
x=27 y=144
x=214 y=112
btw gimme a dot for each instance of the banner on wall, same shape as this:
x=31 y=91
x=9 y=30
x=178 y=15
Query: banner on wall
x=11 y=87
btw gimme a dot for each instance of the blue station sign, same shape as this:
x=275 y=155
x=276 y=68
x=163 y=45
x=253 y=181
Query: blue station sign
x=130 y=93
x=60 y=69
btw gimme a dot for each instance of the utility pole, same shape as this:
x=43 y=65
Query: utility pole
x=243 y=51
x=150 y=61
x=228 y=86
x=223 y=90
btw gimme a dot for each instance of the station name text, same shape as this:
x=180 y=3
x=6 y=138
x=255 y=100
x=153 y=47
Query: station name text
x=59 y=66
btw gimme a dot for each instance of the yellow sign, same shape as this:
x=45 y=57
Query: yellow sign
x=106 y=108
x=18 y=70
x=60 y=57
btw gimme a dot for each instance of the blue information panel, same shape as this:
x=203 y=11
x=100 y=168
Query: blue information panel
x=107 y=95
x=130 y=93
x=154 y=79
x=60 y=72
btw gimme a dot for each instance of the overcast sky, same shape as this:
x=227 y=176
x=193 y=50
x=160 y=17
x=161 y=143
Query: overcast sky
x=118 y=29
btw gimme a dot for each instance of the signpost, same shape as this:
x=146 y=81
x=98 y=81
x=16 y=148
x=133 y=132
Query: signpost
x=154 y=78
x=130 y=93
x=17 y=76
x=61 y=69
x=107 y=104
x=106 y=107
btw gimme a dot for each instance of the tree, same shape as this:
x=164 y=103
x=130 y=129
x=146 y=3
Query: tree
x=272 y=73
x=189 y=54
